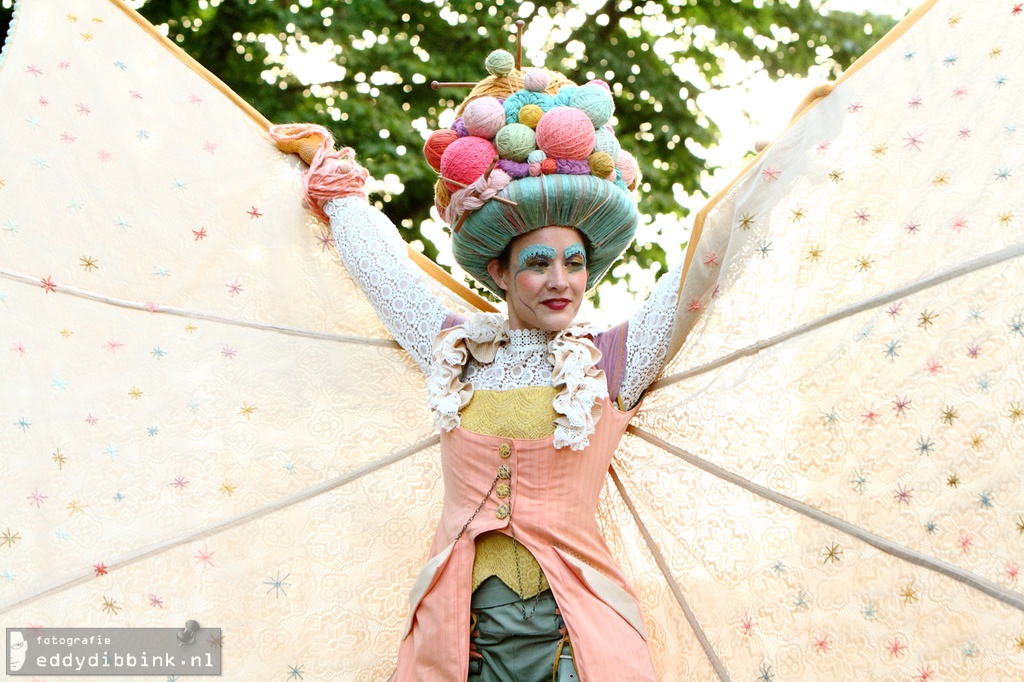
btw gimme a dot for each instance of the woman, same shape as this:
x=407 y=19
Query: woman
x=520 y=585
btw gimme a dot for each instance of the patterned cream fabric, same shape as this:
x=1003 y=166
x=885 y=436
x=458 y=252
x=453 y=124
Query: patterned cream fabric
x=201 y=417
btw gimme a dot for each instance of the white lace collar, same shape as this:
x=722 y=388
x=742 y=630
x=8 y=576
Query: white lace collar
x=571 y=352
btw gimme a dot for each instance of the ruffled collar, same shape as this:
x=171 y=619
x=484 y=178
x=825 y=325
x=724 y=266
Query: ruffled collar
x=571 y=352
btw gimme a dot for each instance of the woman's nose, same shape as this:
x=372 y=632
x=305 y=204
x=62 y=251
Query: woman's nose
x=557 y=276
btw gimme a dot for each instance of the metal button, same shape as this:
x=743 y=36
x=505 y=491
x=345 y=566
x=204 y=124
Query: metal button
x=503 y=490
x=505 y=450
x=502 y=511
x=504 y=471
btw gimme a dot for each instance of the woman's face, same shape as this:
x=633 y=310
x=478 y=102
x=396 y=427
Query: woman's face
x=545 y=279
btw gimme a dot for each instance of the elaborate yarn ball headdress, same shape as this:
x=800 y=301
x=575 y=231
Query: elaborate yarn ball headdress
x=530 y=149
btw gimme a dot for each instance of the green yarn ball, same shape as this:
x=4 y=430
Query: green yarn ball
x=515 y=141
x=500 y=63
x=595 y=102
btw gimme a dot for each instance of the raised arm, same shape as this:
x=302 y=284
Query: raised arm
x=648 y=334
x=369 y=244
x=378 y=261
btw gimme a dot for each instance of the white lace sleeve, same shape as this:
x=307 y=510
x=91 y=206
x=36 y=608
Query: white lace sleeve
x=648 y=335
x=377 y=259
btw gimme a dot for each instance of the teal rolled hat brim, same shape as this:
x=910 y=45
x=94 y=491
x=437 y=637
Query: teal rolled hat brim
x=602 y=210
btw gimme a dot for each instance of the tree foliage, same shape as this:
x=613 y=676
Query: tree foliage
x=658 y=54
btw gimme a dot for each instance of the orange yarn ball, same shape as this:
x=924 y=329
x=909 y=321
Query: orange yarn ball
x=435 y=145
x=548 y=166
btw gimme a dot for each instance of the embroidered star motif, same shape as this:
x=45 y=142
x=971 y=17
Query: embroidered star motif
x=903 y=494
x=926 y=319
x=204 y=557
x=896 y=648
x=89 y=263
x=913 y=141
x=924 y=674
x=100 y=569
x=833 y=554
x=110 y=606
x=247 y=410
x=8 y=538
x=48 y=285
x=199 y=234
x=950 y=415
x=909 y=594
x=953 y=481
x=254 y=213
x=746 y=221
x=925 y=446
x=814 y=253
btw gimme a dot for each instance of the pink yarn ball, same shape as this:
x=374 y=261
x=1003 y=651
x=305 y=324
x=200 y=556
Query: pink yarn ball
x=465 y=160
x=536 y=80
x=565 y=133
x=435 y=145
x=630 y=169
x=484 y=117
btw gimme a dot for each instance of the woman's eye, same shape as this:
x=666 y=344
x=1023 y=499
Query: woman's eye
x=537 y=263
x=575 y=262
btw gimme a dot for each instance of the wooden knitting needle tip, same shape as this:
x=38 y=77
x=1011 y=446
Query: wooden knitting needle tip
x=435 y=85
x=519 y=44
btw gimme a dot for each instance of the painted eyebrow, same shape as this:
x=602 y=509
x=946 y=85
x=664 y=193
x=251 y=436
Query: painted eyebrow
x=536 y=250
x=574 y=250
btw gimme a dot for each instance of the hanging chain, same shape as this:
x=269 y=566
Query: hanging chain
x=479 y=507
x=515 y=550
x=519 y=571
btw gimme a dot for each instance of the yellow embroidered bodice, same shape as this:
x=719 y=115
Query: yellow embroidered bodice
x=515 y=413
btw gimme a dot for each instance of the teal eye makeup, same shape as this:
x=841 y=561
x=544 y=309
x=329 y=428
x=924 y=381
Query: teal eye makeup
x=575 y=257
x=536 y=257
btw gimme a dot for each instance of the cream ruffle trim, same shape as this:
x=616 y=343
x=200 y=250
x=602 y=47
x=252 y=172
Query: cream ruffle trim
x=572 y=354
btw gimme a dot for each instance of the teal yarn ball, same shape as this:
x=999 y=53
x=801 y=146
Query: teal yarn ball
x=604 y=141
x=595 y=102
x=515 y=142
x=500 y=63
x=536 y=156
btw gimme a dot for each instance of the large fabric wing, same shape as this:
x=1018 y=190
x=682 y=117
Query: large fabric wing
x=830 y=468
x=200 y=415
